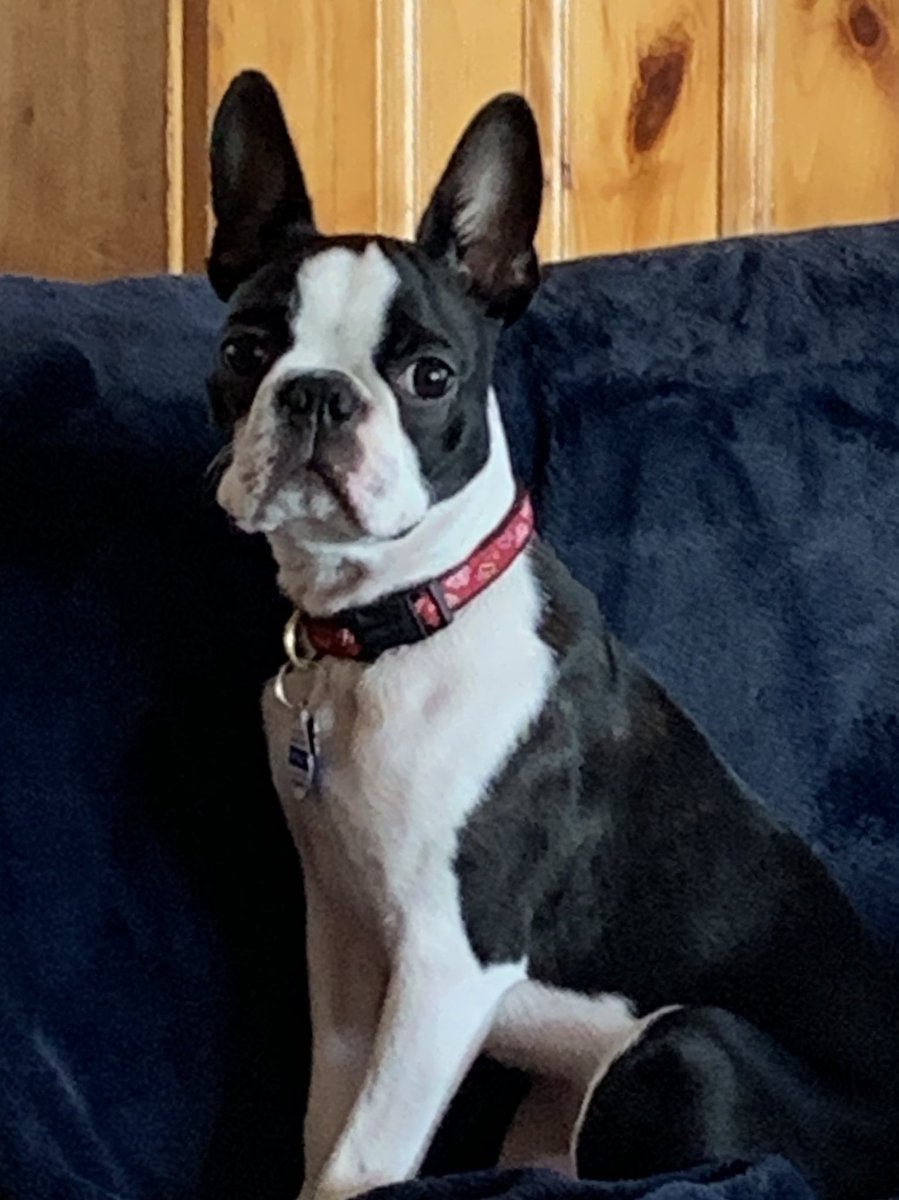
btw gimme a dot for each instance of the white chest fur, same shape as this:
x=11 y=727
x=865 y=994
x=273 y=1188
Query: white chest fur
x=406 y=748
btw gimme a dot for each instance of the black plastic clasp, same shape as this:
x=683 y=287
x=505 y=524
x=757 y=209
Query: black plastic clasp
x=394 y=621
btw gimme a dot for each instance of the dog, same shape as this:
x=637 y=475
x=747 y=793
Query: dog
x=513 y=841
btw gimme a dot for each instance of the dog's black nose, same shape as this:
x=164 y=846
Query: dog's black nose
x=328 y=396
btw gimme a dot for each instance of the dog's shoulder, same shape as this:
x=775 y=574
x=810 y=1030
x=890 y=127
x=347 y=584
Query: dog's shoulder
x=600 y=686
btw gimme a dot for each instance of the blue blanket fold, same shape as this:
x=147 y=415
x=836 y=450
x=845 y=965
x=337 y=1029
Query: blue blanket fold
x=712 y=440
x=771 y=1179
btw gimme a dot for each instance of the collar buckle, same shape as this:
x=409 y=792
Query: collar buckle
x=433 y=591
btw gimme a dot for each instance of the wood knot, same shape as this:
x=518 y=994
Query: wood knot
x=660 y=79
x=865 y=26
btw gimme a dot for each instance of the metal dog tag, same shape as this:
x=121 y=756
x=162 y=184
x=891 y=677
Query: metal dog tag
x=301 y=755
x=301 y=750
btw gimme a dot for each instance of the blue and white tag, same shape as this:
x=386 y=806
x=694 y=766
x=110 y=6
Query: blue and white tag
x=301 y=755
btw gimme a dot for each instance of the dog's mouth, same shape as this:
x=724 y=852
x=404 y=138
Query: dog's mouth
x=324 y=489
x=292 y=465
x=336 y=485
x=348 y=521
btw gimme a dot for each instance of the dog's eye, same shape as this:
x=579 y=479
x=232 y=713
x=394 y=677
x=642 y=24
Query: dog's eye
x=246 y=354
x=427 y=379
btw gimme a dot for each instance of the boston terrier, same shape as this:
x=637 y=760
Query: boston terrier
x=513 y=841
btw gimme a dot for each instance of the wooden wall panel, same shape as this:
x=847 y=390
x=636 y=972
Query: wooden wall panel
x=322 y=57
x=83 y=183
x=642 y=123
x=546 y=87
x=835 y=111
x=468 y=50
x=372 y=96
x=507 y=45
x=428 y=96
x=397 y=103
x=661 y=120
x=747 y=128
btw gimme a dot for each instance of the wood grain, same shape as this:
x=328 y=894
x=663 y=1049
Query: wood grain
x=191 y=223
x=747 y=126
x=836 y=112
x=428 y=93
x=322 y=57
x=545 y=85
x=175 y=122
x=661 y=120
x=468 y=51
x=83 y=189
x=397 y=108
x=643 y=124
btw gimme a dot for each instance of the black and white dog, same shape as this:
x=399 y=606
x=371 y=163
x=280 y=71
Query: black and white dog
x=512 y=840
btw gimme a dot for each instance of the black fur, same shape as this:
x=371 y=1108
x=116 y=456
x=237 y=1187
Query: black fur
x=258 y=189
x=502 y=141
x=704 y=1085
x=618 y=854
x=260 y=201
x=432 y=312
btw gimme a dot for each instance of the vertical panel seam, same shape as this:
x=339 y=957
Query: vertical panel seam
x=174 y=137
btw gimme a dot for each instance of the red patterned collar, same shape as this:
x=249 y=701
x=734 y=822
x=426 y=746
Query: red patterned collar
x=413 y=615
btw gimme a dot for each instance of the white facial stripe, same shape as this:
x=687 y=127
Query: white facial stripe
x=344 y=301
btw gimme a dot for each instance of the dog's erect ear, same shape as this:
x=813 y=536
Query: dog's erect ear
x=483 y=216
x=258 y=190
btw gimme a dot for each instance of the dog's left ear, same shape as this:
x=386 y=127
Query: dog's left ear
x=484 y=213
x=258 y=190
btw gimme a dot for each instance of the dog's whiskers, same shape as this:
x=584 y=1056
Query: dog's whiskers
x=218 y=464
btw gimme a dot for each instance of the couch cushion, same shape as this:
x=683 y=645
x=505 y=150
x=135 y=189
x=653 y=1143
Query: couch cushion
x=150 y=906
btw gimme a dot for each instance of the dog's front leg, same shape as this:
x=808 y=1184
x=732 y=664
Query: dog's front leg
x=347 y=985
x=437 y=1012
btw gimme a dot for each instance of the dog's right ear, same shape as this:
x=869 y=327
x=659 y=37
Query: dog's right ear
x=258 y=190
